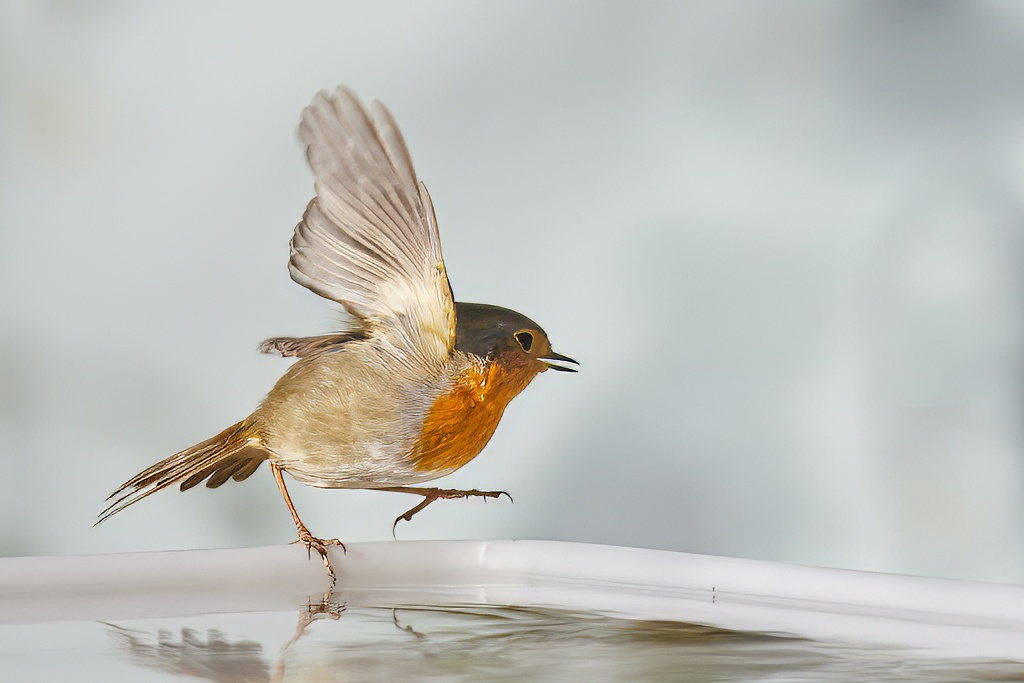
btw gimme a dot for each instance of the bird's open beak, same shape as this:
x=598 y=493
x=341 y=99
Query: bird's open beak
x=557 y=361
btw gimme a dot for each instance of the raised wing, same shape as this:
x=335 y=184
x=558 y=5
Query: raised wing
x=369 y=239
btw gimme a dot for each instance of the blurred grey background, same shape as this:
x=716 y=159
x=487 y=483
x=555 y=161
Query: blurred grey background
x=784 y=239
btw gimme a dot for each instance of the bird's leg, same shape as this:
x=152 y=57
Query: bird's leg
x=431 y=494
x=312 y=542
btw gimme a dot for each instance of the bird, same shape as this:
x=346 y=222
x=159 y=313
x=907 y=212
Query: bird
x=412 y=386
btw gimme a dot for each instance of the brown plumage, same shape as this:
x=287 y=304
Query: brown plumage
x=416 y=387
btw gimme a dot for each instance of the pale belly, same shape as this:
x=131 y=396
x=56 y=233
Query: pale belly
x=371 y=465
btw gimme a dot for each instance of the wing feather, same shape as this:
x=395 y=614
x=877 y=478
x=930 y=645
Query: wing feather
x=369 y=238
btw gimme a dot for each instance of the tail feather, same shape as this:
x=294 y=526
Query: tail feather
x=231 y=453
x=224 y=473
x=247 y=469
x=228 y=469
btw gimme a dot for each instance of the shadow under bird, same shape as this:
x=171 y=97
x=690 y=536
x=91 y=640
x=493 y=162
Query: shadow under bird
x=415 y=388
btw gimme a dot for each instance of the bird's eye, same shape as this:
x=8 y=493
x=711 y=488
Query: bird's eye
x=525 y=340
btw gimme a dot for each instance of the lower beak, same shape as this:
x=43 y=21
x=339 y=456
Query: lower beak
x=557 y=361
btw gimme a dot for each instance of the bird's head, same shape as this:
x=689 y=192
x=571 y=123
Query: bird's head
x=501 y=335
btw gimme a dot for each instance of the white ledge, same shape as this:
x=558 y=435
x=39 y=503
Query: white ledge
x=954 y=618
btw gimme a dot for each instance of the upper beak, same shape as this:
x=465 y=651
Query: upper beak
x=557 y=361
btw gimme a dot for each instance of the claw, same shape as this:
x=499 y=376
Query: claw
x=430 y=495
x=408 y=514
x=320 y=545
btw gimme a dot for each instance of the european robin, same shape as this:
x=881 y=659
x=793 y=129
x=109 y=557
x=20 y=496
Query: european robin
x=414 y=388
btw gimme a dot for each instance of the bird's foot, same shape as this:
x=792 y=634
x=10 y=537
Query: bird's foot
x=431 y=494
x=320 y=545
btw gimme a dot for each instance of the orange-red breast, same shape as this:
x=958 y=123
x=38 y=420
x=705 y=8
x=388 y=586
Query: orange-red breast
x=415 y=388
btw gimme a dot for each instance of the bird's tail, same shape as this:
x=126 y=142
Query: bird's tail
x=235 y=454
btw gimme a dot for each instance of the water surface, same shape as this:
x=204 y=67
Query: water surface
x=329 y=642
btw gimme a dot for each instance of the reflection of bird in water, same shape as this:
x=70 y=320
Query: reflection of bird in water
x=216 y=658
x=404 y=627
x=515 y=643
x=326 y=608
x=415 y=389
x=213 y=658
